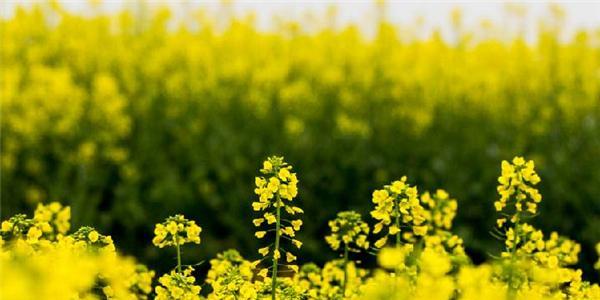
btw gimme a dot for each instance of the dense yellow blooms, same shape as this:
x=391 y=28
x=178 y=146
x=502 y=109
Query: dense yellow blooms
x=57 y=216
x=516 y=188
x=176 y=231
x=442 y=208
x=89 y=237
x=230 y=277
x=348 y=229
x=176 y=285
x=531 y=266
x=40 y=259
x=396 y=205
x=328 y=282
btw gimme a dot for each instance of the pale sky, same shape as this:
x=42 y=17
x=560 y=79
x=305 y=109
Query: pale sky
x=435 y=14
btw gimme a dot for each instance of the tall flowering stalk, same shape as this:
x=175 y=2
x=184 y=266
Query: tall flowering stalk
x=518 y=199
x=350 y=230
x=178 y=284
x=276 y=188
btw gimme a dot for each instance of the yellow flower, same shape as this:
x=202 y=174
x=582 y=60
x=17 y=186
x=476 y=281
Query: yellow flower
x=260 y=234
x=6 y=226
x=93 y=236
x=297 y=243
x=263 y=273
x=258 y=221
x=264 y=251
x=289 y=257
x=270 y=218
x=273 y=184
x=288 y=231
x=284 y=174
x=33 y=234
x=500 y=222
x=172 y=227
x=381 y=242
x=296 y=224
x=267 y=166
x=420 y=230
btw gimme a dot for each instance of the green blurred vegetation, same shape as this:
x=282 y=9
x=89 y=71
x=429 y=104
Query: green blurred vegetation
x=131 y=118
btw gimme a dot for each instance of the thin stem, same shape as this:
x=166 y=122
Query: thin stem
x=178 y=257
x=277 y=233
x=511 y=289
x=345 y=270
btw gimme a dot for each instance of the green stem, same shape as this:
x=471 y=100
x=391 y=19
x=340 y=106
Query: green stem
x=345 y=270
x=178 y=258
x=277 y=233
x=512 y=290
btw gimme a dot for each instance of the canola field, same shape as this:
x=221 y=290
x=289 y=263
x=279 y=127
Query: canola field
x=134 y=136
x=418 y=254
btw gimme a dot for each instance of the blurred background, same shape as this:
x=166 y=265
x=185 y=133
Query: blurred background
x=131 y=111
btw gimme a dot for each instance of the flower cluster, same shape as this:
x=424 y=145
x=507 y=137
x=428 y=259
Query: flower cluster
x=230 y=277
x=44 y=261
x=57 y=216
x=49 y=223
x=440 y=212
x=445 y=241
x=141 y=282
x=348 y=228
x=276 y=188
x=442 y=209
x=516 y=188
x=328 y=282
x=178 y=285
x=553 y=253
x=88 y=237
x=397 y=205
x=277 y=183
x=176 y=231
x=122 y=278
x=20 y=226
